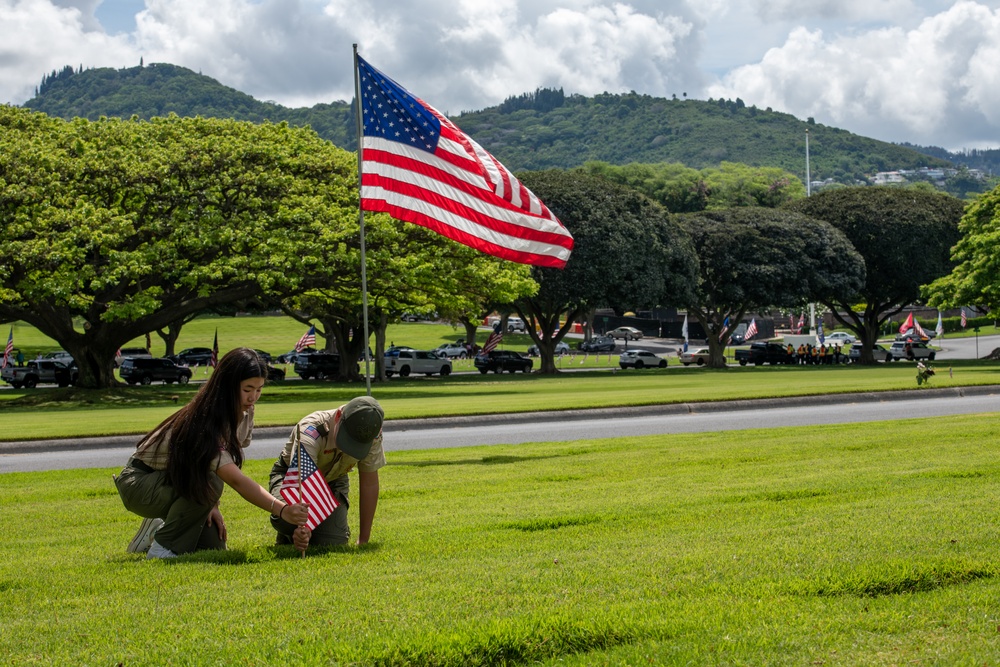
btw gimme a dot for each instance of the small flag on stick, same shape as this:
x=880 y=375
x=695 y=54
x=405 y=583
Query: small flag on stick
x=304 y=482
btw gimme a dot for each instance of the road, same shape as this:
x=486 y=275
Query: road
x=565 y=426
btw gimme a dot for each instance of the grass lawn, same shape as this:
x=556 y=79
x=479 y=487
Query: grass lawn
x=833 y=545
x=75 y=412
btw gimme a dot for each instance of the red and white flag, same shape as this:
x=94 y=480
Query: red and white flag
x=494 y=340
x=417 y=166
x=313 y=486
x=907 y=324
x=964 y=319
x=802 y=323
x=9 y=349
x=308 y=338
x=751 y=330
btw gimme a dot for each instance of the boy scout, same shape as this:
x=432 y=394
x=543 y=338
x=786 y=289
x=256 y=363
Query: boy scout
x=337 y=440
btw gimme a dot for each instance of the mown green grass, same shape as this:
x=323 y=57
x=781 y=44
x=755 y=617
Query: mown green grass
x=73 y=412
x=835 y=545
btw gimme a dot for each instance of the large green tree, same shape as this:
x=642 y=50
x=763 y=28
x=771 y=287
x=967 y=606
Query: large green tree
x=626 y=250
x=904 y=236
x=975 y=279
x=113 y=229
x=752 y=258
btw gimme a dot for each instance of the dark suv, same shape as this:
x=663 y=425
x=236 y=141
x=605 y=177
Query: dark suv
x=143 y=371
x=499 y=361
x=194 y=356
x=317 y=365
x=598 y=344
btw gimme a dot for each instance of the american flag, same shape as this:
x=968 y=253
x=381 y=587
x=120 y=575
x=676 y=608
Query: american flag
x=308 y=338
x=802 y=323
x=751 y=330
x=9 y=350
x=494 y=340
x=315 y=490
x=964 y=321
x=419 y=167
x=215 y=351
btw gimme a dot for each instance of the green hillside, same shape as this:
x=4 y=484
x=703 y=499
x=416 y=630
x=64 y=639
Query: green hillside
x=531 y=131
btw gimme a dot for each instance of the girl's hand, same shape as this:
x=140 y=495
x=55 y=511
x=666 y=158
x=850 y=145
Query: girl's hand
x=215 y=519
x=296 y=514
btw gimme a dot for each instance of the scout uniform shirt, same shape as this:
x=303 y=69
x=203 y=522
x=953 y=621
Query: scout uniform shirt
x=317 y=436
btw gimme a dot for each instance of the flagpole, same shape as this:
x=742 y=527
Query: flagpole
x=297 y=455
x=361 y=222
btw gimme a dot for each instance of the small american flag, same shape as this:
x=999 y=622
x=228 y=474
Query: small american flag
x=315 y=490
x=9 y=350
x=751 y=330
x=494 y=340
x=964 y=320
x=802 y=323
x=419 y=167
x=308 y=338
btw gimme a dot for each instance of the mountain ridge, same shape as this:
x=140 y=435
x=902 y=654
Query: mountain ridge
x=537 y=130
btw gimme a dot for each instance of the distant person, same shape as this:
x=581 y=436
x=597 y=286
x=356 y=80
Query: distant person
x=337 y=441
x=20 y=358
x=801 y=353
x=176 y=475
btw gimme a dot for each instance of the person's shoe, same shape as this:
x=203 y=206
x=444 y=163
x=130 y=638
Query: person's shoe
x=158 y=551
x=140 y=543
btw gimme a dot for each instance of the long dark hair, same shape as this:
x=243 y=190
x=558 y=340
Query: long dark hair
x=208 y=424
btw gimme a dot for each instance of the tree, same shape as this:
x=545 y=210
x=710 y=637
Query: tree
x=113 y=229
x=976 y=276
x=903 y=235
x=626 y=250
x=753 y=258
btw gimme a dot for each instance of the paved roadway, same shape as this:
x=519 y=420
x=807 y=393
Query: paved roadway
x=563 y=426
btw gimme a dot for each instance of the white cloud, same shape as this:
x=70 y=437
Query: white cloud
x=925 y=85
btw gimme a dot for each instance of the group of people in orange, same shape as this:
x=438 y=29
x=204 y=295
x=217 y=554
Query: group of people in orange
x=812 y=355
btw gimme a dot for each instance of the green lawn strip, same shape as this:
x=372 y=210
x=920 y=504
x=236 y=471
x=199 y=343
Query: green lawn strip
x=74 y=412
x=847 y=544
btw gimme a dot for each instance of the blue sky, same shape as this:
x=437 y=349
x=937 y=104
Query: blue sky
x=922 y=71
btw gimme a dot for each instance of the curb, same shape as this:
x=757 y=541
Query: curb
x=458 y=421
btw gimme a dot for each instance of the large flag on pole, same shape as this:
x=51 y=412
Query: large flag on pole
x=965 y=320
x=684 y=332
x=907 y=324
x=9 y=350
x=417 y=166
x=493 y=340
x=215 y=350
x=751 y=330
x=939 y=329
x=308 y=338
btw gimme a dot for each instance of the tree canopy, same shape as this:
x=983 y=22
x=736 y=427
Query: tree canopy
x=754 y=258
x=905 y=237
x=112 y=229
x=975 y=279
x=627 y=251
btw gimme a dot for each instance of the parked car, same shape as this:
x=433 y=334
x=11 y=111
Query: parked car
x=194 y=356
x=427 y=362
x=562 y=347
x=452 y=350
x=317 y=365
x=515 y=324
x=879 y=352
x=916 y=350
x=266 y=356
x=40 y=371
x=840 y=338
x=641 y=359
x=144 y=371
x=290 y=356
x=275 y=374
x=499 y=361
x=133 y=352
x=698 y=355
x=60 y=355
x=911 y=334
x=394 y=350
x=628 y=333
x=599 y=344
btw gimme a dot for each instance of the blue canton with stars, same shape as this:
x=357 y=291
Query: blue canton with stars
x=390 y=112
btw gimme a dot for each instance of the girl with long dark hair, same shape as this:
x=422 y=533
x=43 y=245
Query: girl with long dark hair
x=175 y=476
